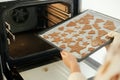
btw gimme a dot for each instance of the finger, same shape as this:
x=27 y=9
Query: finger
x=61 y=53
x=116 y=40
x=109 y=34
x=64 y=53
x=107 y=47
x=114 y=35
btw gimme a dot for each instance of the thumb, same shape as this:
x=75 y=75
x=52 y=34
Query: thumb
x=64 y=53
x=114 y=35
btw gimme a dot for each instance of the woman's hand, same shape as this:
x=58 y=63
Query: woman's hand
x=114 y=48
x=70 y=61
x=110 y=70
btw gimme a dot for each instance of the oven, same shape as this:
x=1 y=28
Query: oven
x=29 y=30
x=21 y=21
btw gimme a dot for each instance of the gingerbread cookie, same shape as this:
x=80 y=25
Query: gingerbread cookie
x=78 y=26
x=83 y=55
x=76 y=35
x=79 y=39
x=61 y=28
x=99 y=21
x=91 y=49
x=76 y=48
x=89 y=37
x=71 y=24
x=68 y=40
x=69 y=31
x=81 y=32
x=63 y=34
x=85 y=44
x=95 y=42
x=83 y=21
x=46 y=37
x=96 y=26
x=102 y=32
x=86 y=27
x=57 y=39
x=108 y=22
x=89 y=16
x=109 y=25
x=91 y=32
x=62 y=46
x=55 y=34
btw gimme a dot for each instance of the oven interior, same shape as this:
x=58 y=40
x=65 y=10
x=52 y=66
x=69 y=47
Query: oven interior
x=26 y=22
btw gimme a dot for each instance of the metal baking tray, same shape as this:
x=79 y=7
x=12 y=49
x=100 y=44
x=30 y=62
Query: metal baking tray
x=68 y=34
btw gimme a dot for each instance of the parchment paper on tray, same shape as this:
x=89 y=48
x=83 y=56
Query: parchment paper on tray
x=82 y=34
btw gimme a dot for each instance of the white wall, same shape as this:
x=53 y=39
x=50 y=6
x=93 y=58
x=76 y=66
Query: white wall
x=5 y=0
x=109 y=7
